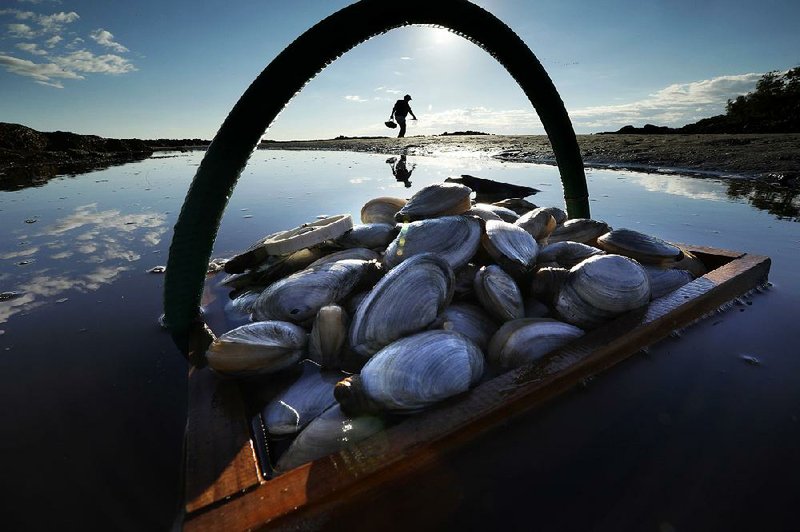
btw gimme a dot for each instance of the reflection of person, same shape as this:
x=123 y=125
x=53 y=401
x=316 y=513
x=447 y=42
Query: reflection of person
x=399 y=112
x=400 y=171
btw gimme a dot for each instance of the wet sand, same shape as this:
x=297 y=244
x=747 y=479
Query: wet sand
x=770 y=159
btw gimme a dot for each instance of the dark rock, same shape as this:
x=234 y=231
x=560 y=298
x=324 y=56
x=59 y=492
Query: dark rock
x=487 y=190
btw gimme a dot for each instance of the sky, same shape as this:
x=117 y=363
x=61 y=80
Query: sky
x=174 y=69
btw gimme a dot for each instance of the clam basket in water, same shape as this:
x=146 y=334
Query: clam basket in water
x=377 y=347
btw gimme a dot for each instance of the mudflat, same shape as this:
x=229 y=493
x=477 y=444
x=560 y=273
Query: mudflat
x=767 y=158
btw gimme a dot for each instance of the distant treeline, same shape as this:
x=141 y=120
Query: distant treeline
x=773 y=107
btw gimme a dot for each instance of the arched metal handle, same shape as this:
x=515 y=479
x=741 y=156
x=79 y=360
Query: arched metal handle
x=198 y=223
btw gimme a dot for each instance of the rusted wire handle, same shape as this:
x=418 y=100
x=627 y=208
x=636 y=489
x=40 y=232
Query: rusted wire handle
x=198 y=223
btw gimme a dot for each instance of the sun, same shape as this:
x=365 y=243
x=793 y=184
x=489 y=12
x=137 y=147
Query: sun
x=443 y=37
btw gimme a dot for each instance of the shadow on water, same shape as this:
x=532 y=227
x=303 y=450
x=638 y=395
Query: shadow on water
x=37 y=175
x=780 y=201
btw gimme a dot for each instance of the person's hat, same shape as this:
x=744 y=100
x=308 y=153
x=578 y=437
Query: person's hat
x=407 y=97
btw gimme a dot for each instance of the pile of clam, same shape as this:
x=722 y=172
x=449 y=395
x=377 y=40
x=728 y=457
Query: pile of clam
x=419 y=303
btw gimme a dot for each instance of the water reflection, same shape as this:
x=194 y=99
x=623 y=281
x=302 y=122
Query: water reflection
x=400 y=169
x=779 y=201
x=101 y=243
x=37 y=175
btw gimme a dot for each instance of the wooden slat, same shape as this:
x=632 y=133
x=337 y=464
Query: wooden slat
x=304 y=493
x=220 y=461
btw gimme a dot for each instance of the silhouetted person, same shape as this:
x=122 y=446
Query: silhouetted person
x=399 y=112
x=399 y=169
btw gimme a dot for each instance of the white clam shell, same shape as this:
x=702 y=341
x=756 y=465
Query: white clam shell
x=256 y=348
x=350 y=253
x=567 y=254
x=498 y=293
x=374 y=236
x=640 y=246
x=527 y=340
x=299 y=402
x=328 y=335
x=420 y=370
x=439 y=199
x=538 y=222
x=299 y=297
x=381 y=210
x=331 y=432
x=663 y=281
x=405 y=300
x=583 y=230
x=454 y=238
x=470 y=320
x=511 y=246
x=600 y=288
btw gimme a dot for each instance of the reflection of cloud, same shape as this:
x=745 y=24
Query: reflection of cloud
x=41 y=287
x=21 y=253
x=109 y=240
x=686 y=187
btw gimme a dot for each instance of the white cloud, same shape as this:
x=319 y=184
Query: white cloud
x=106 y=38
x=85 y=61
x=31 y=48
x=354 y=98
x=40 y=72
x=406 y=58
x=55 y=22
x=674 y=105
x=20 y=31
x=52 y=41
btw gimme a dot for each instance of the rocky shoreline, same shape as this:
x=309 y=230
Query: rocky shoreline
x=771 y=159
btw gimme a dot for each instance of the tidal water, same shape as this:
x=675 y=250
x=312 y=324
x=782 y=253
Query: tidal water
x=698 y=433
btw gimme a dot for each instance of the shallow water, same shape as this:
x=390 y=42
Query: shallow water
x=698 y=433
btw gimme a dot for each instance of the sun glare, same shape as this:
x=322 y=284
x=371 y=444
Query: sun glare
x=442 y=37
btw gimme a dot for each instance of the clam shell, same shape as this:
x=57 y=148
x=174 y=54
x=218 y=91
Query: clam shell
x=503 y=213
x=328 y=335
x=547 y=283
x=295 y=405
x=274 y=268
x=381 y=210
x=439 y=199
x=642 y=247
x=482 y=212
x=512 y=247
x=454 y=238
x=331 y=432
x=372 y=236
x=556 y=213
x=252 y=257
x=257 y=348
x=664 y=280
x=538 y=222
x=498 y=293
x=527 y=340
x=470 y=320
x=567 y=254
x=518 y=205
x=351 y=253
x=600 y=288
x=242 y=305
x=406 y=300
x=299 y=297
x=583 y=230
x=689 y=262
x=415 y=372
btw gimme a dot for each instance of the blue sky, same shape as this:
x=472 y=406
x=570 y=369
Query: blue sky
x=175 y=68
